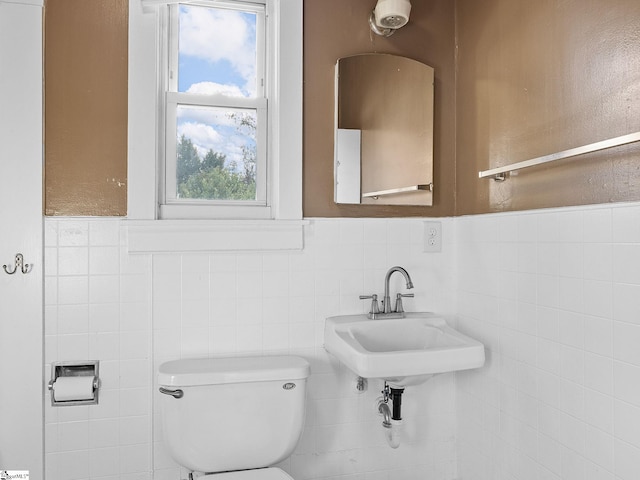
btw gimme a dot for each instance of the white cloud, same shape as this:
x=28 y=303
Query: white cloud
x=210 y=115
x=212 y=88
x=216 y=34
x=205 y=138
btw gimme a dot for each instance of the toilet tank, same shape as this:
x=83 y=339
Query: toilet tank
x=234 y=413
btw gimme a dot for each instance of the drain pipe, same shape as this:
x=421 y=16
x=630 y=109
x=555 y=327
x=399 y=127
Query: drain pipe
x=396 y=399
x=385 y=411
x=392 y=418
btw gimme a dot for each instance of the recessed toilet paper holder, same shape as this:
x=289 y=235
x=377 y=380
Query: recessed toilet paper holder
x=86 y=376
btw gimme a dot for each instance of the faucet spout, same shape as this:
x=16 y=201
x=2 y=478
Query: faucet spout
x=407 y=278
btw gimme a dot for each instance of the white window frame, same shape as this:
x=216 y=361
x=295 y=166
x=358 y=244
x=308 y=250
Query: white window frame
x=170 y=205
x=284 y=61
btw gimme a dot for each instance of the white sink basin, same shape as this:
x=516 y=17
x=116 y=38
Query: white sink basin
x=402 y=351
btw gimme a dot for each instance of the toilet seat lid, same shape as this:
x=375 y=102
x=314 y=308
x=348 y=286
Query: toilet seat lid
x=271 y=473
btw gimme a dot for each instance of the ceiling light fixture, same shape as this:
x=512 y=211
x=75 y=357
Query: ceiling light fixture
x=388 y=16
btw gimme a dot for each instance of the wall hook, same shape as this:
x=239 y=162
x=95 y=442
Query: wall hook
x=19 y=264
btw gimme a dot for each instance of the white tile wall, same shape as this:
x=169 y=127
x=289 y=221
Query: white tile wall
x=98 y=307
x=227 y=304
x=554 y=297
x=134 y=312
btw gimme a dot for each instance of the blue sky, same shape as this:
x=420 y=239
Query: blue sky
x=216 y=55
x=194 y=70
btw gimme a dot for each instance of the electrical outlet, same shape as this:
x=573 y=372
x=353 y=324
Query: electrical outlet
x=432 y=237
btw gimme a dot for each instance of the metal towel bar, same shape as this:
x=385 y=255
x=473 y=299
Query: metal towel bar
x=498 y=173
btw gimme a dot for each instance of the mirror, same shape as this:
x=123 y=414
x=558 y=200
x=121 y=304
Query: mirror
x=384 y=131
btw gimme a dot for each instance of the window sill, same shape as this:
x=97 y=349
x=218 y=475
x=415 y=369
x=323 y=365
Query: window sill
x=184 y=236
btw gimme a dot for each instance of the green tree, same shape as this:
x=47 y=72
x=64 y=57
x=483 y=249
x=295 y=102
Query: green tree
x=246 y=125
x=213 y=160
x=188 y=160
x=217 y=184
x=209 y=178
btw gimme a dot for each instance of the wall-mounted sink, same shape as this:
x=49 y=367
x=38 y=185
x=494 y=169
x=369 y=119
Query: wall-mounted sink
x=402 y=351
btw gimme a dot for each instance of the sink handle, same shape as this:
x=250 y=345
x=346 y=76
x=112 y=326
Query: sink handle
x=374 y=302
x=399 y=308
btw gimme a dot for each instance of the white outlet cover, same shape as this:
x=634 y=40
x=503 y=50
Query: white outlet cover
x=432 y=237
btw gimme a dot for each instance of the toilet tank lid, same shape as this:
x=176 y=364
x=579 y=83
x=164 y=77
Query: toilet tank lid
x=214 y=371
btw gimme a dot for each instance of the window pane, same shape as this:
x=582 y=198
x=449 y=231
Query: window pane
x=216 y=153
x=217 y=51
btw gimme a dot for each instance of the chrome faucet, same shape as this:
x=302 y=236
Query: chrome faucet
x=386 y=301
x=398 y=311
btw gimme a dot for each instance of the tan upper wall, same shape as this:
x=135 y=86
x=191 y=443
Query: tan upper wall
x=339 y=28
x=86 y=107
x=535 y=78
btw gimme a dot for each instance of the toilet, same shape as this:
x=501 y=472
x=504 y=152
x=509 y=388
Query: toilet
x=230 y=418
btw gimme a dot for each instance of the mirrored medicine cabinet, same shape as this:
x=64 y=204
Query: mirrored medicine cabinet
x=383 y=131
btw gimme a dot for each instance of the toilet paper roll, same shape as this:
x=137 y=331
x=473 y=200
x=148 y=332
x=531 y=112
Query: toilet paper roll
x=66 y=389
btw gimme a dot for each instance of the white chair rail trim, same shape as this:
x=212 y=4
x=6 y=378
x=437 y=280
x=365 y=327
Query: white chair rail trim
x=184 y=236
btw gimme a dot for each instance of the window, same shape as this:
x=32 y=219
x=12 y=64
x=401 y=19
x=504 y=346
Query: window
x=157 y=225
x=216 y=118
